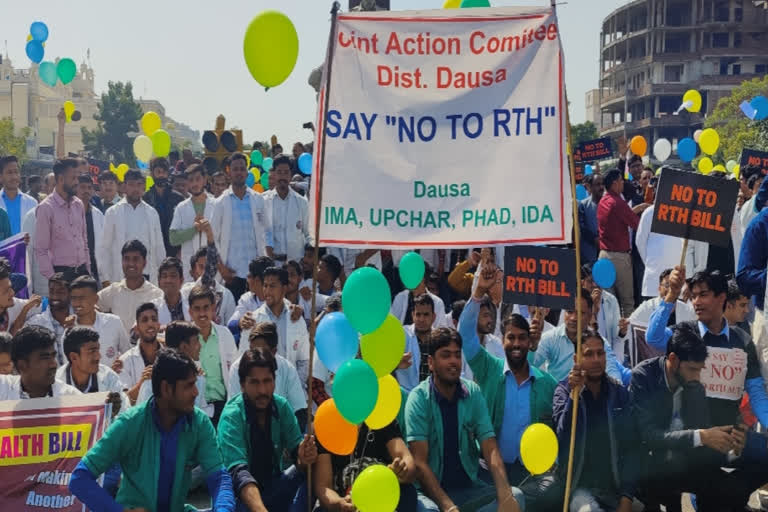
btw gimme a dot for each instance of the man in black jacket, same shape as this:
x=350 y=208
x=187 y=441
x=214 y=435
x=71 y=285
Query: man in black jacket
x=164 y=199
x=684 y=452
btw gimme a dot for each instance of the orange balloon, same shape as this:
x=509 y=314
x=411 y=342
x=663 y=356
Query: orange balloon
x=258 y=188
x=638 y=145
x=335 y=433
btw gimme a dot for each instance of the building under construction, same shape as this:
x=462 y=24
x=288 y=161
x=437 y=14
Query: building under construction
x=652 y=51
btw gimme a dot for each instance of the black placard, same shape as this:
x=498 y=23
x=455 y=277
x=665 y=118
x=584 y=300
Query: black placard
x=540 y=276
x=756 y=158
x=592 y=150
x=694 y=206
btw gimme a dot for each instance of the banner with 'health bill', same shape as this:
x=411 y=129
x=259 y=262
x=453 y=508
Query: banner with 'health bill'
x=41 y=442
x=445 y=129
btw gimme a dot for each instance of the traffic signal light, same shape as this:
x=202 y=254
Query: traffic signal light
x=219 y=144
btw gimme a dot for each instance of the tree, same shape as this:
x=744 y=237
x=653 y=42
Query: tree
x=117 y=116
x=583 y=132
x=735 y=129
x=11 y=144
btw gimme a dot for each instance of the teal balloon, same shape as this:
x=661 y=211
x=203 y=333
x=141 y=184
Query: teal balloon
x=66 y=69
x=265 y=180
x=366 y=299
x=336 y=340
x=256 y=157
x=475 y=3
x=412 y=270
x=355 y=390
x=267 y=164
x=48 y=73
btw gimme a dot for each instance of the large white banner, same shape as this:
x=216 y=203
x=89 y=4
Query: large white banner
x=445 y=128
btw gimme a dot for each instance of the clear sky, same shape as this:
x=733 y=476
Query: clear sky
x=188 y=54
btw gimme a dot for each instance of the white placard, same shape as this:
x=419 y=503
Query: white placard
x=724 y=373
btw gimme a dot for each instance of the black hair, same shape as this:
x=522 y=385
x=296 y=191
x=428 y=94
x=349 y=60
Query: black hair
x=133 y=175
x=611 y=176
x=442 y=337
x=84 y=282
x=194 y=168
x=76 y=337
x=59 y=277
x=424 y=300
x=30 y=338
x=171 y=366
x=487 y=303
x=714 y=279
x=515 y=320
x=753 y=179
x=199 y=292
x=200 y=253
x=686 y=344
x=170 y=263
x=280 y=273
x=635 y=158
x=5 y=268
x=34 y=179
x=257 y=267
x=134 y=246
x=178 y=332
x=107 y=176
x=586 y=270
x=748 y=171
x=734 y=292
x=333 y=264
x=85 y=178
x=281 y=159
x=147 y=306
x=266 y=330
x=664 y=274
x=61 y=166
x=256 y=358
x=238 y=156
x=586 y=296
x=457 y=307
x=296 y=266
x=333 y=303
x=590 y=333
x=160 y=162
x=4 y=161
x=5 y=342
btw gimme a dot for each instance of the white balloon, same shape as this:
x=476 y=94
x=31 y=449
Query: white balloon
x=696 y=135
x=662 y=149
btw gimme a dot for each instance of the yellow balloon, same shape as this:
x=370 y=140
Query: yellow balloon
x=706 y=165
x=29 y=37
x=256 y=174
x=121 y=170
x=737 y=171
x=449 y=4
x=387 y=404
x=270 y=48
x=692 y=100
x=709 y=141
x=69 y=109
x=112 y=167
x=719 y=167
x=149 y=181
x=150 y=123
x=538 y=448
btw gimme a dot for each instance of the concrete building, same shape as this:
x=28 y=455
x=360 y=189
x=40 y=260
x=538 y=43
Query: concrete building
x=29 y=102
x=652 y=51
x=592 y=106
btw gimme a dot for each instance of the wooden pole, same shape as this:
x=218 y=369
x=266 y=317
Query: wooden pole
x=577 y=245
x=318 y=208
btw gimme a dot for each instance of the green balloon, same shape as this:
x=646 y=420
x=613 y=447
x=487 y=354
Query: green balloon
x=412 y=270
x=47 y=73
x=383 y=349
x=161 y=143
x=475 y=3
x=66 y=69
x=256 y=157
x=355 y=390
x=265 y=180
x=366 y=299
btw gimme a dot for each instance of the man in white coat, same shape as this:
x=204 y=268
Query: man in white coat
x=130 y=219
x=94 y=220
x=402 y=306
x=289 y=211
x=240 y=222
x=38 y=283
x=15 y=202
x=186 y=230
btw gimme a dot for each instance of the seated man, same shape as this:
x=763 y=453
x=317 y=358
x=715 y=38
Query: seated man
x=446 y=421
x=6 y=363
x=252 y=299
x=604 y=467
x=610 y=325
x=204 y=265
x=287 y=383
x=113 y=338
x=136 y=364
x=33 y=352
x=256 y=428
x=56 y=317
x=166 y=433
x=174 y=306
x=184 y=337
x=414 y=367
x=686 y=445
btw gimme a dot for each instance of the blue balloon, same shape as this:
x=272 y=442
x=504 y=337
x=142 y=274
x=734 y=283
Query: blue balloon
x=305 y=163
x=581 y=192
x=142 y=165
x=686 y=149
x=336 y=341
x=250 y=180
x=39 y=31
x=604 y=273
x=760 y=104
x=35 y=51
x=588 y=170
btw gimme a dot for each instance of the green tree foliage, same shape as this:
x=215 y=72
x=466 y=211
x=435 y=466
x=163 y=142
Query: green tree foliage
x=10 y=143
x=735 y=130
x=583 y=132
x=118 y=114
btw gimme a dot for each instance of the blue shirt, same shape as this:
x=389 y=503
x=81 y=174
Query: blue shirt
x=169 y=442
x=408 y=378
x=589 y=230
x=517 y=414
x=753 y=258
x=13 y=207
x=242 y=242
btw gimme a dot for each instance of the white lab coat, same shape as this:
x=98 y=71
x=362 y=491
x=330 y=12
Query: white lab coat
x=10 y=388
x=106 y=378
x=400 y=306
x=37 y=283
x=27 y=203
x=296 y=227
x=221 y=222
x=184 y=218
x=109 y=256
x=164 y=314
x=225 y=309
